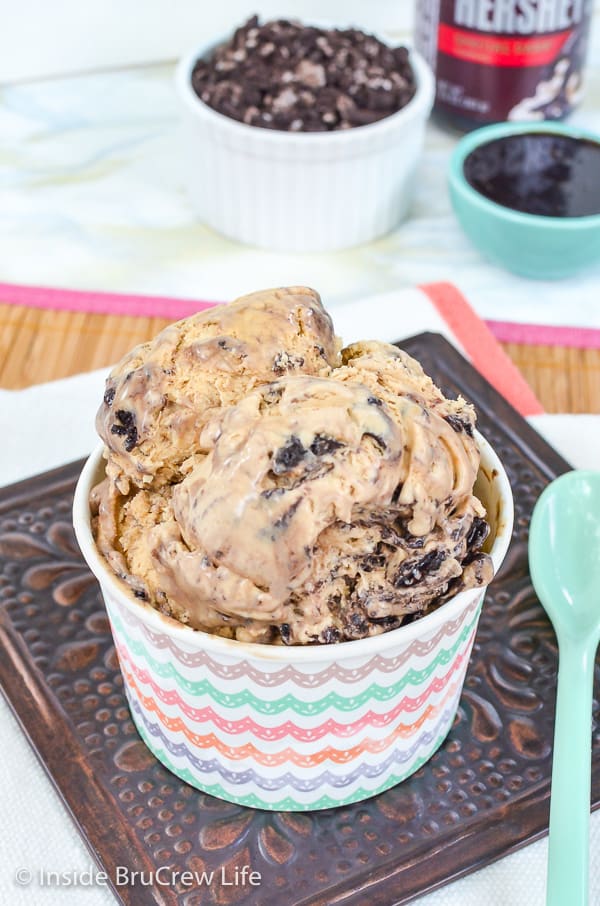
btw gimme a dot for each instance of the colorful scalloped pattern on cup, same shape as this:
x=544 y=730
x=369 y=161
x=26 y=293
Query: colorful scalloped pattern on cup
x=283 y=737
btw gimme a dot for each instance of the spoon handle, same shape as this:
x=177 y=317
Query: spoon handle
x=568 y=848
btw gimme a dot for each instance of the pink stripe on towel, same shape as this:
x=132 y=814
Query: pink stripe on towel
x=476 y=338
x=101 y=303
x=482 y=348
x=545 y=335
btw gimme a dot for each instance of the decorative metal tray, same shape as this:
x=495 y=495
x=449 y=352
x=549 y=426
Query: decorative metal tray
x=483 y=794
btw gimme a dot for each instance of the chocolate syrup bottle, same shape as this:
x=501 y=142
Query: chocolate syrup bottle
x=498 y=60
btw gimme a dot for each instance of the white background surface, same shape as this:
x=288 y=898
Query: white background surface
x=39 y=38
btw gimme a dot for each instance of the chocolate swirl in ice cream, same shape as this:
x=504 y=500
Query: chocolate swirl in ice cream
x=293 y=496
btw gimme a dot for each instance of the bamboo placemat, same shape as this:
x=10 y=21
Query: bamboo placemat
x=39 y=345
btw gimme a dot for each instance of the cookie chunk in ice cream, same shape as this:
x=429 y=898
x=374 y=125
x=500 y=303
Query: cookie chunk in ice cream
x=283 y=493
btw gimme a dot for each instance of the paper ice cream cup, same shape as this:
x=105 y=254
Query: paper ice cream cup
x=294 y=728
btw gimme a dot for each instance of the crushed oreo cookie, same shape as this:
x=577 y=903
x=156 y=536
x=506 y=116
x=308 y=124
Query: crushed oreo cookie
x=287 y=76
x=322 y=445
x=331 y=635
x=126 y=429
x=412 y=571
x=357 y=626
x=285 y=633
x=371 y=562
x=459 y=424
x=477 y=534
x=289 y=456
x=109 y=396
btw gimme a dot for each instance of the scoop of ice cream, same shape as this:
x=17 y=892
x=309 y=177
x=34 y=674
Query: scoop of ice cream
x=333 y=503
x=160 y=396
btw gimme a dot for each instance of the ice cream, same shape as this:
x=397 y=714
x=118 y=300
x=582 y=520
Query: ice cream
x=160 y=395
x=275 y=491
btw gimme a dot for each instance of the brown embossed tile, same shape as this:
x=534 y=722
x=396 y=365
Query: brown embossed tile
x=484 y=793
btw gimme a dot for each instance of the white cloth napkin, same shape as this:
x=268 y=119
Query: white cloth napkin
x=56 y=426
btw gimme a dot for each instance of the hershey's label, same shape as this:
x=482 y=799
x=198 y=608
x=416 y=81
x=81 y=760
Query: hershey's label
x=525 y=17
x=499 y=59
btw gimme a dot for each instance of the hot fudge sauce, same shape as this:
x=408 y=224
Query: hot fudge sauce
x=543 y=173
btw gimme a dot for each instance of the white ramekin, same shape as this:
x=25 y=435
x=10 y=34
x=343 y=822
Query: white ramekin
x=289 y=728
x=301 y=192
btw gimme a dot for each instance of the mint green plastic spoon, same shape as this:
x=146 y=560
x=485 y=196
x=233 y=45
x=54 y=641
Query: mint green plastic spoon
x=564 y=560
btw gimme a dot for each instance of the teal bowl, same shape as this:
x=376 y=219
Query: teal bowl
x=544 y=248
